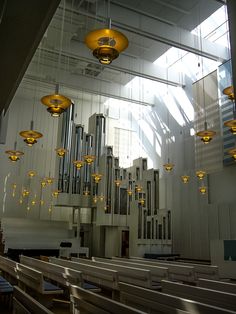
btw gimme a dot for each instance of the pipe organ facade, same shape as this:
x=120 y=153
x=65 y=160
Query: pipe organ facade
x=124 y=201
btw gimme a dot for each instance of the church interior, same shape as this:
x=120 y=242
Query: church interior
x=118 y=156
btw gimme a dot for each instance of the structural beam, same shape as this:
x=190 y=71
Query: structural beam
x=89 y=85
x=149 y=28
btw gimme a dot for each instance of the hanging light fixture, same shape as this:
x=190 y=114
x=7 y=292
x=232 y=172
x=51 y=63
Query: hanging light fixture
x=129 y=192
x=106 y=43
x=14 y=155
x=61 y=151
x=55 y=193
x=101 y=197
x=232 y=153
x=86 y=192
x=229 y=91
x=117 y=182
x=95 y=199
x=185 y=179
x=206 y=135
x=203 y=189
x=30 y=137
x=56 y=103
x=89 y=159
x=32 y=173
x=141 y=201
x=49 y=180
x=97 y=177
x=43 y=183
x=25 y=192
x=168 y=166
x=78 y=164
x=200 y=174
x=231 y=124
x=138 y=188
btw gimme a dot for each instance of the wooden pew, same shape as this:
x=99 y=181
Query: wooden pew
x=217 y=285
x=155 y=302
x=86 y=302
x=132 y=275
x=8 y=268
x=33 y=279
x=102 y=277
x=6 y=291
x=212 y=297
x=23 y=303
x=62 y=275
x=201 y=270
x=176 y=272
x=157 y=273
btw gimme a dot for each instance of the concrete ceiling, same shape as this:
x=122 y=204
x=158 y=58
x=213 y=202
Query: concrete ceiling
x=22 y=25
x=151 y=26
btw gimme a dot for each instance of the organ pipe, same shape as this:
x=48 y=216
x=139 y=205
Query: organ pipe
x=66 y=142
x=78 y=147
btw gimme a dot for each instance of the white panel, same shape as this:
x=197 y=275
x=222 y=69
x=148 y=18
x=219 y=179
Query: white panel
x=206 y=106
x=224 y=221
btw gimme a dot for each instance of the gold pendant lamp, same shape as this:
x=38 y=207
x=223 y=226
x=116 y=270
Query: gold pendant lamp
x=14 y=155
x=61 y=152
x=106 y=43
x=206 y=135
x=232 y=153
x=185 y=179
x=56 y=103
x=31 y=136
x=231 y=124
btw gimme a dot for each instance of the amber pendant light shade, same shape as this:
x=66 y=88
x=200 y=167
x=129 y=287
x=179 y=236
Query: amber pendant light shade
x=106 y=44
x=56 y=104
x=14 y=155
x=229 y=91
x=30 y=137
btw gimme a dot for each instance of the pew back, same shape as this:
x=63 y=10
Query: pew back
x=158 y=273
x=85 y=302
x=97 y=275
x=212 y=297
x=8 y=266
x=176 y=272
x=60 y=274
x=33 y=279
x=137 y=276
x=201 y=270
x=217 y=285
x=151 y=301
x=25 y=304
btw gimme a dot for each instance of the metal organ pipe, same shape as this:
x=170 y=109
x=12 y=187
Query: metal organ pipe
x=87 y=168
x=100 y=137
x=66 y=142
x=78 y=147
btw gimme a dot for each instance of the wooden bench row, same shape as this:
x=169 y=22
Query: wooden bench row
x=156 y=302
x=213 y=297
x=27 y=277
x=200 y=270
x=199 y=300
x=23 y=303
x=177 y=273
